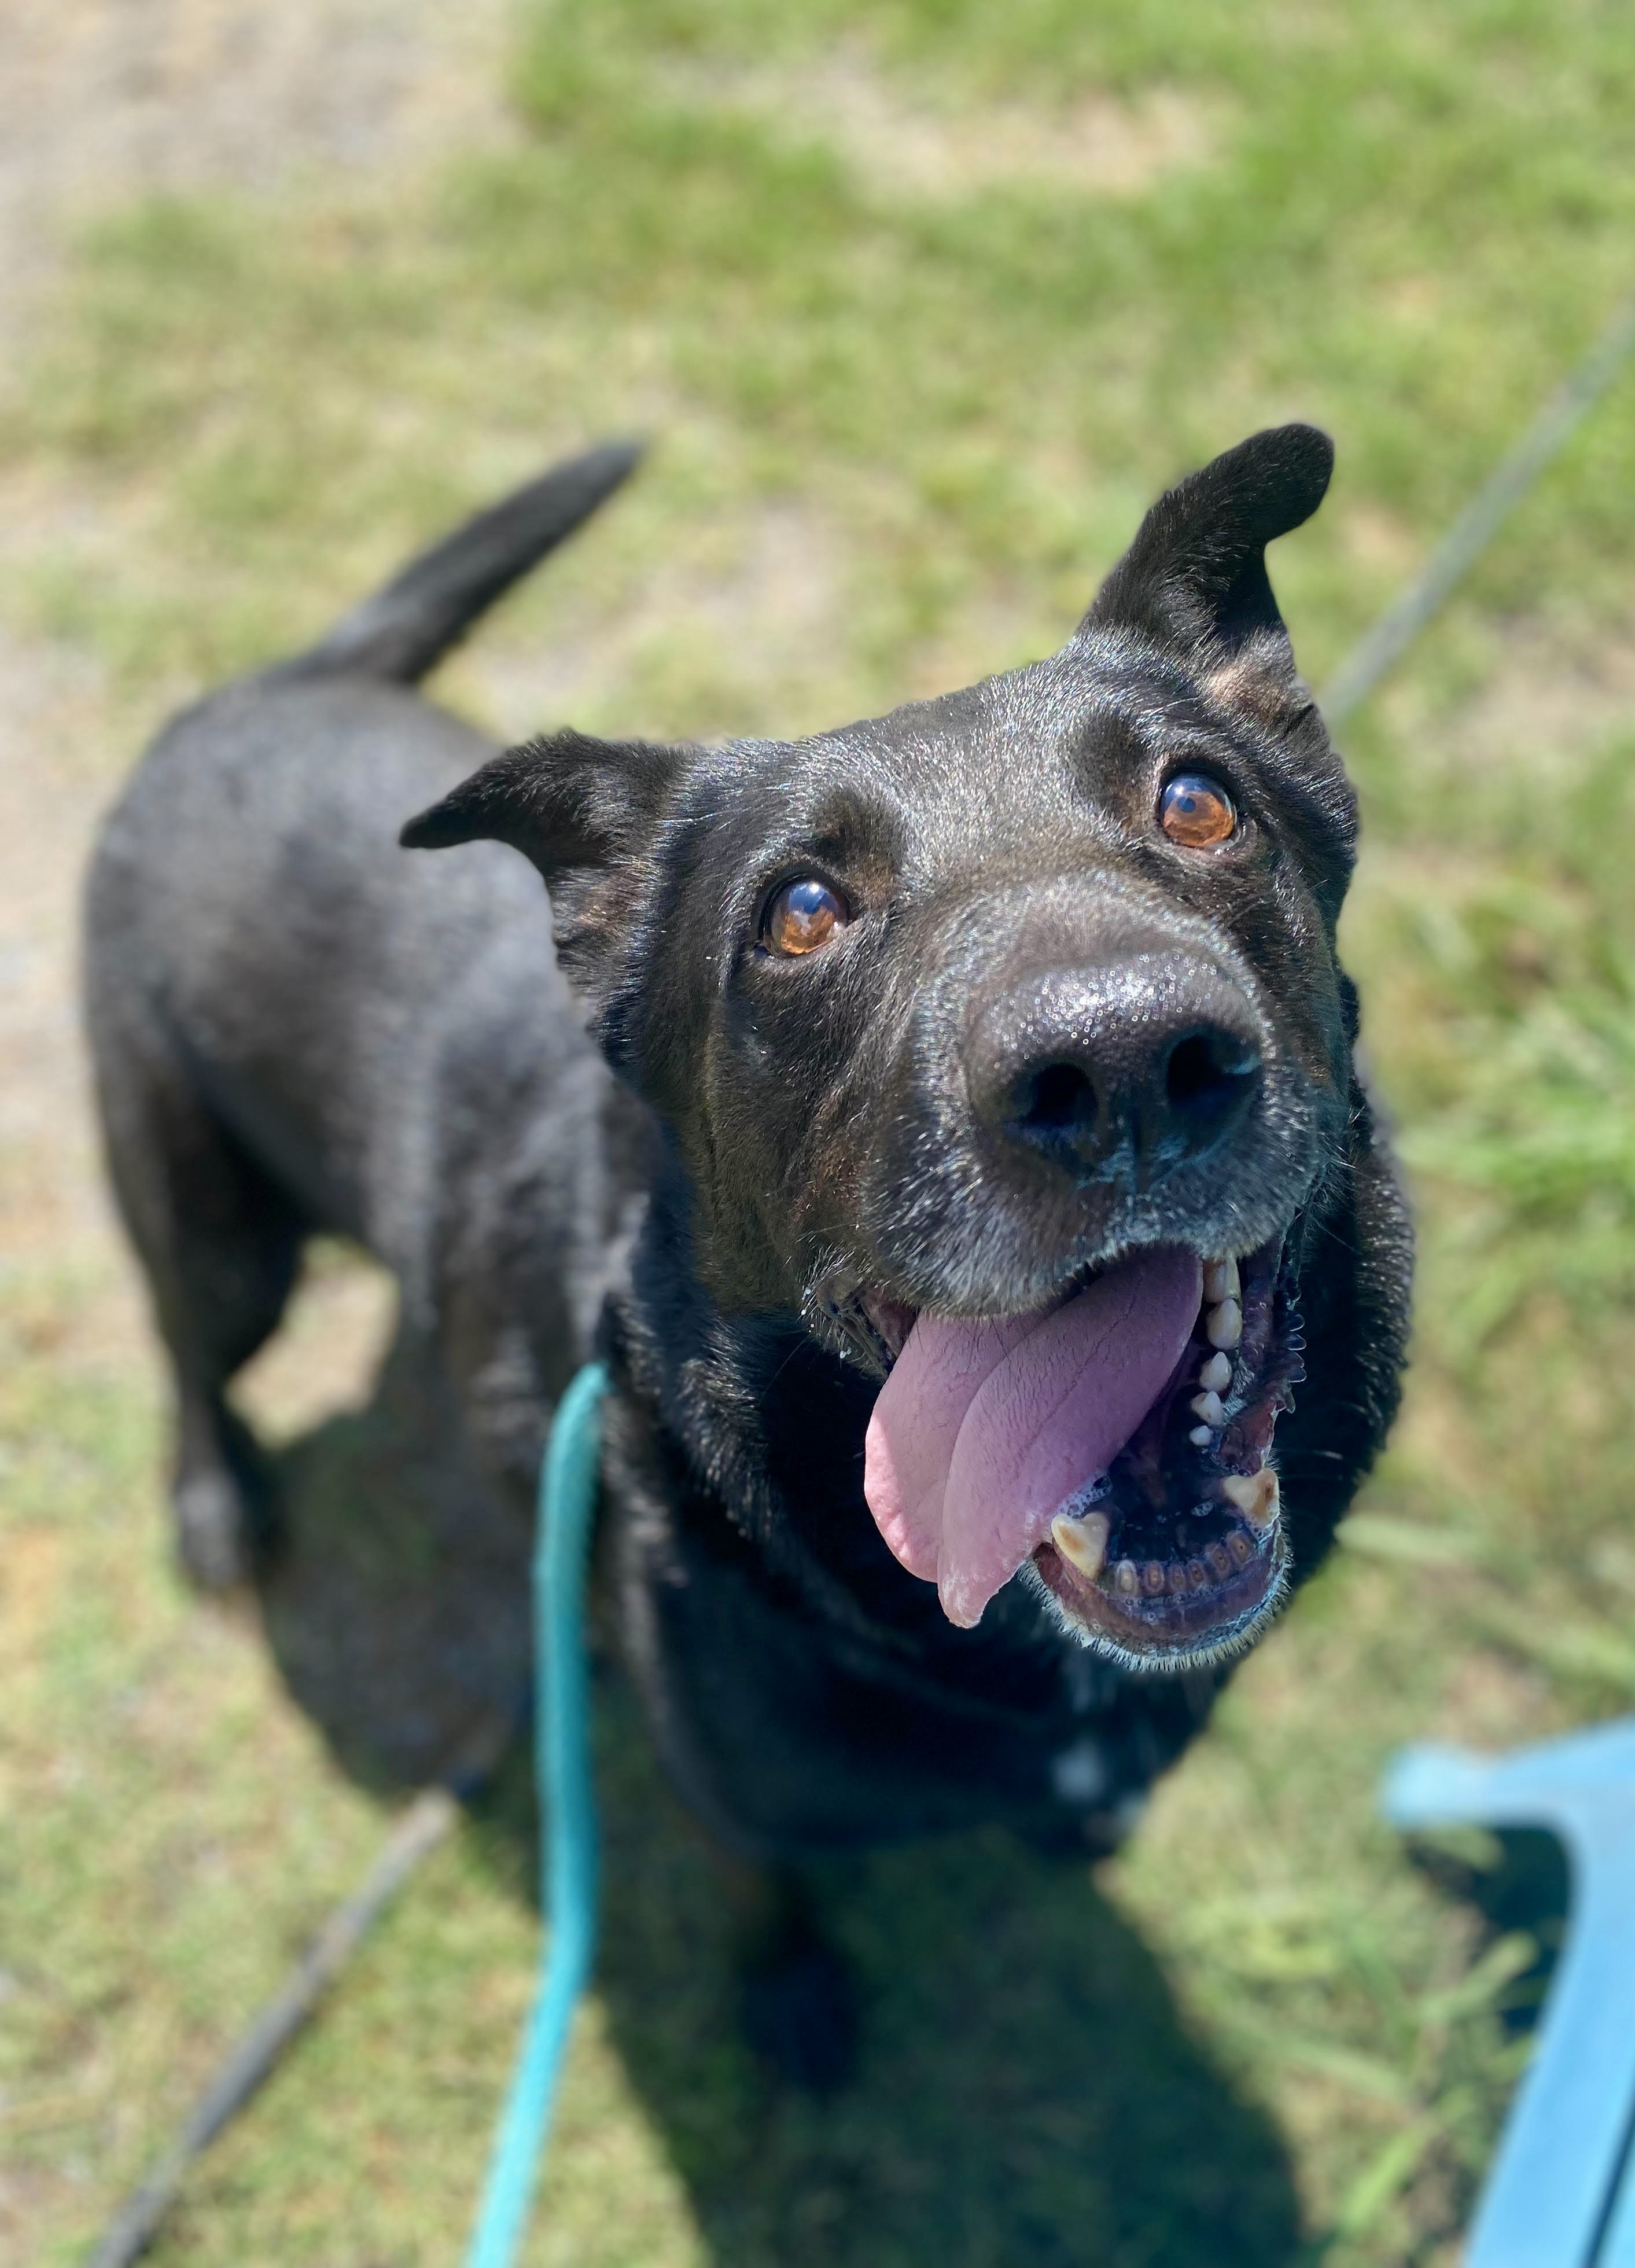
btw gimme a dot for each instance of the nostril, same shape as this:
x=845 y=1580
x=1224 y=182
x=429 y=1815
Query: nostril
x=1056 y=1099
x=1207 y=1072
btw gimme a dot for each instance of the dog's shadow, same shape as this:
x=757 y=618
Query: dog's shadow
x=1025 y=2088
x=1025 y=2091
x=396 y=1604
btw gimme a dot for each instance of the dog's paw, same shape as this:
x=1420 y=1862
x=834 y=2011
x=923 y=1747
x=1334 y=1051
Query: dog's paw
x=213 y=1531
x=800 y=2013
x=212 y=1538
x=224 y=1522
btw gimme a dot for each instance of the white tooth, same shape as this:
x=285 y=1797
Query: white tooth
x=1216 y=1375
x=1223 y=1326
x=1254 y=1494
x=1152 y=1577
x=1083 y=1542
x=1200 y=1436
x=1220 y=1280
x=1209 y=1408
x=1124 y=1576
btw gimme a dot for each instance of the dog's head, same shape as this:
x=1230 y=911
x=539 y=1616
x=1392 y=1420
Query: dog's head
x=1004 y=1039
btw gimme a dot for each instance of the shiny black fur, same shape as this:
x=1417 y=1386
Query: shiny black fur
x=297 y=1028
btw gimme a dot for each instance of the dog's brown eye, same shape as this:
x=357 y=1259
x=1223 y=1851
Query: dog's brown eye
x=803 y=915
x=1196 y=812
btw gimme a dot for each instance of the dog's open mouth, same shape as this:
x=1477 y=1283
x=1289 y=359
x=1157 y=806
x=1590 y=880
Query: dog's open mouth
x=1117 y=1444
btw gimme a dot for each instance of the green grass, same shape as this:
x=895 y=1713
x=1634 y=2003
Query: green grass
x=898 y=436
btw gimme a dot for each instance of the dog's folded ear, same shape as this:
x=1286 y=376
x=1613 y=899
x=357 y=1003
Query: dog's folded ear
x=1195 y=578
x=585 y=812
x=565 y=801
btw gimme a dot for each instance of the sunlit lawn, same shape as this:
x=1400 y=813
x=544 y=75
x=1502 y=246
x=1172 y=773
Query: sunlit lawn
x=919 y=304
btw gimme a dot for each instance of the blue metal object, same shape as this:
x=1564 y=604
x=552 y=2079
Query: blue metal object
x=1561 y=2193
x=567 y=1813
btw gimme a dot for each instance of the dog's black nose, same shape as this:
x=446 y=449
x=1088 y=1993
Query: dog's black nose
x=1120 y=1072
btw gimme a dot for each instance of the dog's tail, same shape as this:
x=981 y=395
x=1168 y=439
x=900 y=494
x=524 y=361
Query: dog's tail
x=399 y=633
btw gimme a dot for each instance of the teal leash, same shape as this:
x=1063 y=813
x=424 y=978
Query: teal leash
x=568 y=1853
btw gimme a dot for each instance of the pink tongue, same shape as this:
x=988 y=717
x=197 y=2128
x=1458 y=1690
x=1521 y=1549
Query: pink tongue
x=983 y=1431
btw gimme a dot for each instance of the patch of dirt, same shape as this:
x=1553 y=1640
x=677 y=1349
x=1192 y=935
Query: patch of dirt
x=1491 y=1702
x=757 y=599
x=1379 y=539
x=101 y=99
x=56 y=1218
x=1550 y=697
x=1097 y=143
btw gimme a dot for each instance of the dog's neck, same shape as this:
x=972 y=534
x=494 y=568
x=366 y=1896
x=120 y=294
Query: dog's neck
x=766 y=1426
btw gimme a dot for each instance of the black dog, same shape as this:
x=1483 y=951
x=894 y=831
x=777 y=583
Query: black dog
x=996 y=1049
